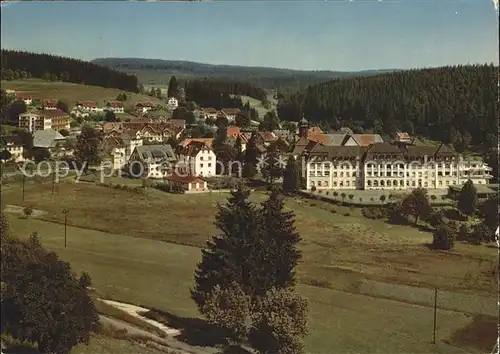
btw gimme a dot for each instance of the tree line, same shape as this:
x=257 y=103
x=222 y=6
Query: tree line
x=216 y=93
x=20 y=65
x=453 y=104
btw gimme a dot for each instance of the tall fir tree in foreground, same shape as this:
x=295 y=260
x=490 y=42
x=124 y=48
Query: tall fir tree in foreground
x=230 y=256
x=281 y=239
x=467 y=199
x=244 y=283
x=291 y=176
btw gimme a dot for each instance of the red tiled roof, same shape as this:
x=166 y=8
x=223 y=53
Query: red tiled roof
x=23 y=97
x=115 y=104
x=403 y=135
x=315 y=130
x=49 y=103
x=233 y=132
x=319 y=138
x=184 y=179
x=92 y=104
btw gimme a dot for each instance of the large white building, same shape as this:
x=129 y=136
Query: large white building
x=199 y=158
x=389 y=166
x=43 y=120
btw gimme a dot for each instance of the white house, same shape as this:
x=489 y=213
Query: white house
x=115 y=107
x=13 y=144
x=144 y=107
x=49 y=105
x=33 y=122
x=200 y=158
x=28 y=100
x=173 y=103
x=89 y=106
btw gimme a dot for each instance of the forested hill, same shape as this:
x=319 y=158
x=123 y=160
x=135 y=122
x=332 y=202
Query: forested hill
x=19 y=65
x=157 y=71
x=457 y=105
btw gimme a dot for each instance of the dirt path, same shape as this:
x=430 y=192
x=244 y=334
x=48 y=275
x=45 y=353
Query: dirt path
x=136 y=312
x=171 y=343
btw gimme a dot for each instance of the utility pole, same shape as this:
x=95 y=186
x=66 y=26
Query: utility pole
x=24 y=178
x=65 y=212
x=435 y=314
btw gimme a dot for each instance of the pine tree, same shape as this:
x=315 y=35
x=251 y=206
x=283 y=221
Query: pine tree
x=467 y=199
x=233 y=254
x=250 y=158
x=173 y=88
x=281 y=240
x=291 y=176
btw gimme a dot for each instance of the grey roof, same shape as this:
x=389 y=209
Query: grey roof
x=156 y=152
x=47 y=138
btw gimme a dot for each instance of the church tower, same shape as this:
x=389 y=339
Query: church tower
x=303 y=127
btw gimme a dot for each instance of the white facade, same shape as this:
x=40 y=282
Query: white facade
x=33 y=122
x=173 y=103
x=116 y=110
x=203 y=163
x=393 y=175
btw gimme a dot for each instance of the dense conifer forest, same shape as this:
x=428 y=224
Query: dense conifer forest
x=22 y=65
x=455 y=104
x=215 y=93
x=158 y=72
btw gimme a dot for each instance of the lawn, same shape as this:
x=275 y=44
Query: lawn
x=334 y=245
x=72 y=93
x=128 y=262
x=255 y=103
x=157 y=274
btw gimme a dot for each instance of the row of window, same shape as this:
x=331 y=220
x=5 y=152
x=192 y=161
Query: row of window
x=334 y=174
x=334 y=184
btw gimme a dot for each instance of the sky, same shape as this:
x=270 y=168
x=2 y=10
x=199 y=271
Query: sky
x=309 y=35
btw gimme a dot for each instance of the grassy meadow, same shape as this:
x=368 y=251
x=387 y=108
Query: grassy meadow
x=143 y=249
x=72 y=93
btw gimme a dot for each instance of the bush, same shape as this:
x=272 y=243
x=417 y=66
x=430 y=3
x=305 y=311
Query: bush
x=320 y=191
x=334 y=211
x=374 y=212
x=433 y=197
x=347 y=214
x=335 y=194
x=443 y=197
x=444 y=237
x=313 y=188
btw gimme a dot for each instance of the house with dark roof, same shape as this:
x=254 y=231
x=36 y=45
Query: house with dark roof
x=199 y=158
x=152 y=161
x=388 y=166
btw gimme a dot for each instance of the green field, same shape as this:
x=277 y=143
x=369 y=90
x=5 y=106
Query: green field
x=132 y=259
x=72 y=93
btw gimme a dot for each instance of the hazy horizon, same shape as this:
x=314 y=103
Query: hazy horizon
x=314 y=35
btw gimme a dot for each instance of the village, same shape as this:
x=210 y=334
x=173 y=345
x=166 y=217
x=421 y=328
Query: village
x=152 y=139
